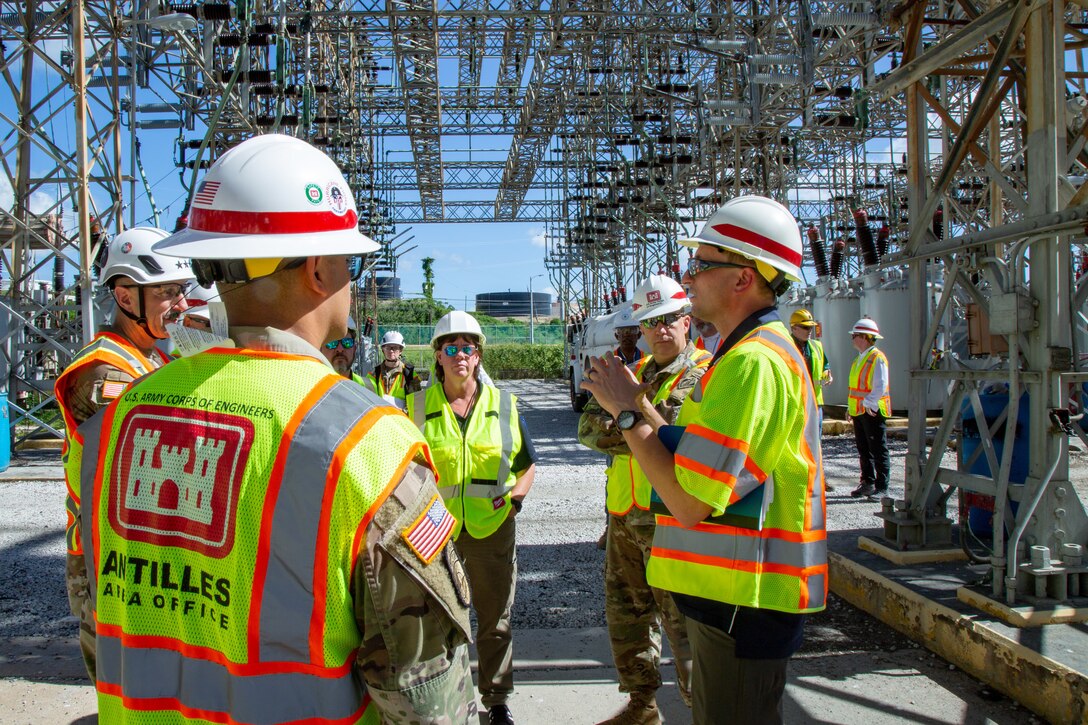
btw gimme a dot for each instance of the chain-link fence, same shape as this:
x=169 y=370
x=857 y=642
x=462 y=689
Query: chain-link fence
x=495 y=334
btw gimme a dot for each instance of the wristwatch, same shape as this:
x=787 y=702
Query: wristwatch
x=627 y=418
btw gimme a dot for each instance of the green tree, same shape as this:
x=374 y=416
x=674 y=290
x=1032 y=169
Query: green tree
x=428 y=279
x=410 y=312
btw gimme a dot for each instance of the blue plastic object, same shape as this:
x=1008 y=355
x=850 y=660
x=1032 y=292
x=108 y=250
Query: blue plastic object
x=980 y=508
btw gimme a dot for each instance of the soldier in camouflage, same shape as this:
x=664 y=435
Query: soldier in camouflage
x=148 y=293
x=635 y=611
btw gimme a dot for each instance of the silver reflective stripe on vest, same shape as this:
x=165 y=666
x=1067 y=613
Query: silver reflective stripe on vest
x=752 y=549
x=148 y=673
x=722 y=458
x=506 y=410
x=419 y=409
x=118 y=350
x=91 y=430
x=288 y=597
x=811 y=431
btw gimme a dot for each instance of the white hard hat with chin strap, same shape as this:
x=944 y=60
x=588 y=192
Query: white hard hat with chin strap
x=760 y=229
x=131 y=254
x=270 y=198
x=394 y=338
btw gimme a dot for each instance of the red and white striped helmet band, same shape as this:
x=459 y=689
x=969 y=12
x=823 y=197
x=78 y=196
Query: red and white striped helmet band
x=768 y=245
x=223 y=221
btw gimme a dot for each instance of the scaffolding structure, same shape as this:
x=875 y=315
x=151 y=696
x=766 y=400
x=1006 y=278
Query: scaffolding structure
x=957 y=127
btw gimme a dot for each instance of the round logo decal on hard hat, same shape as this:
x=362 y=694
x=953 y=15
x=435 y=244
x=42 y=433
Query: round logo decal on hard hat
x=338 y=202
x=314 y=195
x=126 y=248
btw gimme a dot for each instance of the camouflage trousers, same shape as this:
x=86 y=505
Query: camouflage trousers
x=79 y=599
x=637 y=612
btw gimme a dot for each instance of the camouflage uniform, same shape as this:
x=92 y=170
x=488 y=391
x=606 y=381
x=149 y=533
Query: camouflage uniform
x=635 y=611
x=84 y=393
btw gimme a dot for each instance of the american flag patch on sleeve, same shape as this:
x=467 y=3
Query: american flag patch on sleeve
x=112 y=389
x=429 y=533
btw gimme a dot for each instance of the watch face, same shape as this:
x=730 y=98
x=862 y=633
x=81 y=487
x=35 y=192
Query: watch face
x=625 y=420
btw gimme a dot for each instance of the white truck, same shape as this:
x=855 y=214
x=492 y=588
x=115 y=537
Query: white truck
x=590 y=338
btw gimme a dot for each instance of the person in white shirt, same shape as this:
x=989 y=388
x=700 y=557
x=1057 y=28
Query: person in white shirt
x=869 y=404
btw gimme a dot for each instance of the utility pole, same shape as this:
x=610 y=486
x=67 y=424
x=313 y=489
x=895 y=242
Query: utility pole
x=532 y=312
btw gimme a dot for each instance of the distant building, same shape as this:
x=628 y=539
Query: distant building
x=514 y=304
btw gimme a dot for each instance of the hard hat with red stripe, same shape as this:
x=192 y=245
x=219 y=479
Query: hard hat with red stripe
x=866 y=326
x=271 y=197
x=760 y=229
x=658 y=295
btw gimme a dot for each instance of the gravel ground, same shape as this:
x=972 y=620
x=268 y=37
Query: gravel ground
x=849 y=659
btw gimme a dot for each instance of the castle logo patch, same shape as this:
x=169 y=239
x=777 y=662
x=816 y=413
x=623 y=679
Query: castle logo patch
x=176 y=477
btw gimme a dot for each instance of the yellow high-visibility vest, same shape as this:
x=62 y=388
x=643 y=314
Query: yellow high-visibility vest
x=474 y=468
x=205 y=539
x=751 y=422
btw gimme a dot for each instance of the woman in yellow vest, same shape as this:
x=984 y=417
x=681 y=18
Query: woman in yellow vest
x=869 y=405
x=486 y=465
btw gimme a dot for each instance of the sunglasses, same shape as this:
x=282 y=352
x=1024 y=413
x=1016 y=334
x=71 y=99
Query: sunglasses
x=696 y=265
x=355 y=267
x=667 y=320
x=169 y=291
x=452 y=350
x=347 y=343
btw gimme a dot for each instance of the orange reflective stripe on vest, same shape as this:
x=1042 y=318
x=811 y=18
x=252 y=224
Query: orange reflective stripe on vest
x=861 y=383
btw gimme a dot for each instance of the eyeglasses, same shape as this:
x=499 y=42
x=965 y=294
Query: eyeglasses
x=667 y=320
x=169 y=291
x=347 y=343
x=452 y=350
x=355 y=267
x=696 y=265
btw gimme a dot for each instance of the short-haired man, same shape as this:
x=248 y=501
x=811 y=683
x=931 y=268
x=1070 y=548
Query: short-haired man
x=148 y=291
x=268 y=542
x=743 y=548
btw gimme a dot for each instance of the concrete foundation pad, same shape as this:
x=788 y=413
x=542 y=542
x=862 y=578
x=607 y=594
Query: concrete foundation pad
x=1045 y=686
x=914 y=556
x=1025 y=615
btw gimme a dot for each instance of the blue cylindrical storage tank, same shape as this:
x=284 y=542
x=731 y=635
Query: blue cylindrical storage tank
x=980 y=507
x=5 y=434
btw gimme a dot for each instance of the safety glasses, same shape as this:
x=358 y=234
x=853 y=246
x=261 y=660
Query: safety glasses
x=347 y=343
x=667 y=320
x=696 y=265
x=168 y=291
x=452 y=350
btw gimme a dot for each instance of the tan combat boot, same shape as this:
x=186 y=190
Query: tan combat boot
x=641 y=709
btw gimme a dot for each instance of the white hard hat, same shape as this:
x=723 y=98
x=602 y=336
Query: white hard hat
x=457 y=323
x=392 y=338
x=866 y=326
x=271 y=197
x=658 y=295
x=624 y=318
x=130 y=254
x=198 y=298
x=758 y=228
x=351 y=324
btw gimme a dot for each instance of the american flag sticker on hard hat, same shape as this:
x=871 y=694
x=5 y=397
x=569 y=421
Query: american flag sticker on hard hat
x=429 y=533
x=205 y=193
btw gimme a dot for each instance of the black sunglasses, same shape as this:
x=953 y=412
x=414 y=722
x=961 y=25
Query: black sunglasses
x=355 y=267
x=696 y=265
x=347 y=343
x=667 y=320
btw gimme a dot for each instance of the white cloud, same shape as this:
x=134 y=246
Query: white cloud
x=7 y=194
x=537 y=237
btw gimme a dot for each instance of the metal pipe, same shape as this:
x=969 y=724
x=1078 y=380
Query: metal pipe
x=1025 y=516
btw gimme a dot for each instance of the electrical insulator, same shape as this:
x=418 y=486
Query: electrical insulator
x=865 y=238
x=819 y=252
x=838 y=254
x=882 y=238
